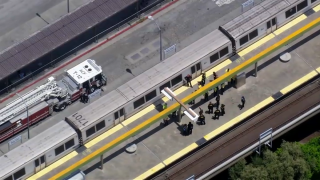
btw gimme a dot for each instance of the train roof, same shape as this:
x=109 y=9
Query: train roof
x=174 y=64
x=28 y=151
x=253 y=17
x=84 y=71
x=97 y=110
x=150 y=78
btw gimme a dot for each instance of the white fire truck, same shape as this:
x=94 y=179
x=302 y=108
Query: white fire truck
x=53 y=95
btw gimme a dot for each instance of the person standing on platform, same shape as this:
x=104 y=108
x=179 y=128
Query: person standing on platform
x=203 y=80
x=222 y=88
x=243 y=101
x=216 y=114
x=222 y=109
x=215 y=76
x=206 y=96
x=201 y=111
x=217 y=101
x=190 y=128
x=164 y=106
x=188 y=79
x=215 y=91
x=210 y=108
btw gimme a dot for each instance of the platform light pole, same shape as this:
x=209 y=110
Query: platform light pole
x=27 y=114
x=68 y=6
x=152 y=19
x=188 y=111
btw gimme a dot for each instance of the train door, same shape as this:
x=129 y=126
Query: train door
x=196 y=70
x=271 y=25
x=40 y=164
x=119 y=115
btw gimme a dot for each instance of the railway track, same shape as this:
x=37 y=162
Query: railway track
x=241 y=137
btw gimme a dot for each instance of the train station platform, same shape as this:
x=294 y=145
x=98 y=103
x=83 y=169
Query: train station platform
x=114 y=54
x=158 y=145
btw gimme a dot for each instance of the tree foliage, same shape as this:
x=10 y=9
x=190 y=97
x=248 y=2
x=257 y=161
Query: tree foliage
x=311 y=151
x=287 y=163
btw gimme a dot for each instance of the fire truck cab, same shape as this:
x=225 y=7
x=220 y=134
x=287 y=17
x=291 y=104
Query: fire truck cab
x=83 y=78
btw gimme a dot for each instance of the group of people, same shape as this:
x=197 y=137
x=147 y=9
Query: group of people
x=220 y=109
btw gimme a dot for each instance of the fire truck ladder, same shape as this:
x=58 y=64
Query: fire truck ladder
x=30 y=99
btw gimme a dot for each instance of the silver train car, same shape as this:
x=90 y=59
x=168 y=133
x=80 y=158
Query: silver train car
x=143 y=90
x=39 y=152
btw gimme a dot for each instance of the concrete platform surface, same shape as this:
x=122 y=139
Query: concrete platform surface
x=183 y=23
x=159 y=145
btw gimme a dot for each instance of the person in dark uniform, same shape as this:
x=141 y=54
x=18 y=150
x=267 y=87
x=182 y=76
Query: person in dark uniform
x=222 y=88
x=222 y=109
x=188 y=79
x=190 y=128
x=82 y=97
x=210 y=108
x=166 y=121
x=216 y=114
x=217 y=101
x=185 y=129
x=206 y=96
x=215 y=76
x=202 y=119
x=243 y=101
x=86 y=98
x=201 y=111
x=203 y=80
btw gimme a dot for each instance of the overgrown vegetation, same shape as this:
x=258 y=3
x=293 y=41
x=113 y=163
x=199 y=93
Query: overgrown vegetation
x=292 y=161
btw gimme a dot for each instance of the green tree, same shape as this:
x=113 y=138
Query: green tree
x=236 y=169
x=311 y=152
x=287 y=163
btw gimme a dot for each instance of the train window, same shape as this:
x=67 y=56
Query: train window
x=91 y=131
x=116 y=115
x=244 y=40
x=36 y=163
x=193 y=70
x=224 y=52
x=302 y=5
x=151 y=95
x=100 y=125
x=312 y=1
x=253 y=34
x=8 y=178
x=59 y=150
x=19 y=173
x=121 y=112
x=165 y=85
x=138 y=103
x=176 y=80
x=69 y=144
x=274 y=21
x=42 y=159
x=214 y=57
x=268 y=25
x=291 y=12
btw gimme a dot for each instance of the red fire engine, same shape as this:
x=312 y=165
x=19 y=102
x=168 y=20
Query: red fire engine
x=53 y=95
